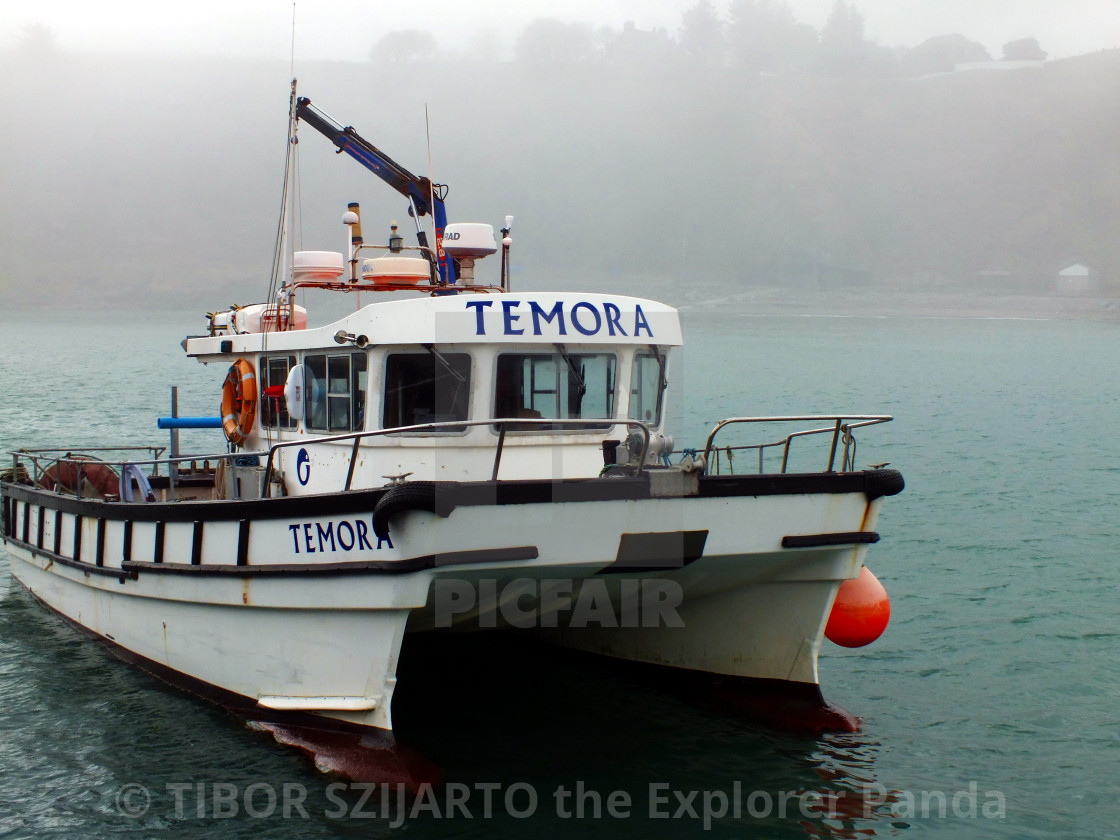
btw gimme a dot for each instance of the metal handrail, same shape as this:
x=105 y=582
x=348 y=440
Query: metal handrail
x=837 y=427
x=48 y=454
x=457 y=425
x=35 y=456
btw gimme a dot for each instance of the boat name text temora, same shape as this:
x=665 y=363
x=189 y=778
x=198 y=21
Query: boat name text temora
x=584 y=317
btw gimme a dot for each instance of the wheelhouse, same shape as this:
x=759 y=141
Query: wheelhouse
x=592 y=365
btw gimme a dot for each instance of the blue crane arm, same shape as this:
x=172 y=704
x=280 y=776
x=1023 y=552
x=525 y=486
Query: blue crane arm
x=424 y=196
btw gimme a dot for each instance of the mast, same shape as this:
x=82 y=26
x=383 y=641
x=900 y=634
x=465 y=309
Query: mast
x=286 y=246
x=284 y=297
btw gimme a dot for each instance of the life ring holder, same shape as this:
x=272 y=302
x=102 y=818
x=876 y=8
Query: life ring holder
x=239 y=401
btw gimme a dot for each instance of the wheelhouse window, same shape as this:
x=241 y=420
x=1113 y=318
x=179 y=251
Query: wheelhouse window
x=647 y=388
x=274 y=375
x=336 y=391
x=560 y=385
x=430 y=387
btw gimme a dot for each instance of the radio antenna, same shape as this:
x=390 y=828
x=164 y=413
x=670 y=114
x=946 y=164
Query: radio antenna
x=431 y=183
x=437 y=234
x=293 y=57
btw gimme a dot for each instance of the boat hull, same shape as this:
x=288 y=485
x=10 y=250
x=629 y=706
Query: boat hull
x=280 y=603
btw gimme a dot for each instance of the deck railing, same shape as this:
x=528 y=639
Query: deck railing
x=40 y=461
x=520 y=424
x=840 y=427
x=53 y=457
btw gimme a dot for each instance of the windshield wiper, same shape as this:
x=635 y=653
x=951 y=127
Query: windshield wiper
x=662 y=381
x=576 y=373
x=446 y=364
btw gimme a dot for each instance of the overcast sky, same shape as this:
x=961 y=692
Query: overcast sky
x=346 y=29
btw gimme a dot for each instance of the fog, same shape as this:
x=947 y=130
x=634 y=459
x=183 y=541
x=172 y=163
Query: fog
x=699 y=159
x=343 y=30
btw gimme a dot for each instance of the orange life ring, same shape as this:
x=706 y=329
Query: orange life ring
x=239 y=401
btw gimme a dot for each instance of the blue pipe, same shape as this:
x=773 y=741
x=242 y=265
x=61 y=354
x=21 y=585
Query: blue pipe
x=189 y=422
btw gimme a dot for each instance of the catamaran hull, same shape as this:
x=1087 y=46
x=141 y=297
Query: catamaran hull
x=279 y=602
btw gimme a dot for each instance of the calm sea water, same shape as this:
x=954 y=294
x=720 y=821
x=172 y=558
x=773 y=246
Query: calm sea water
x=991 y=707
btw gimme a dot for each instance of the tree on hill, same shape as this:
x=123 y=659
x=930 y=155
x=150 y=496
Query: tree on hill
x=638 y=48
x=941 y=54
x=844 y=51
x=763 y=36
x=702 y=37
x=1025 y=49
x=549 y=42
x=406 y=46
x=37 y=39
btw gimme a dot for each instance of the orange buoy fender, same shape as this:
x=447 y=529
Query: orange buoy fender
x=239 y=401
x=860 y=612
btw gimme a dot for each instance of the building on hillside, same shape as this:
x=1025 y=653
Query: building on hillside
x=1079 y=278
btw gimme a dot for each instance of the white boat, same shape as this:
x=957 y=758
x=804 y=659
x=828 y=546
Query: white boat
x=464 y=457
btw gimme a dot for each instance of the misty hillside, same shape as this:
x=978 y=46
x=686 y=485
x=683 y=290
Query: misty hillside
x=128 y=180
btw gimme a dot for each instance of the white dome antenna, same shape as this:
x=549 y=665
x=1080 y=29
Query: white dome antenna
x=466 y=242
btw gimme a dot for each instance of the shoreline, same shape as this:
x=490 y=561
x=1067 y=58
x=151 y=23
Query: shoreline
x=881 y=304
x=876 y=301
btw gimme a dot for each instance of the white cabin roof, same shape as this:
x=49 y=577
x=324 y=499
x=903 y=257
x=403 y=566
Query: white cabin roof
x=532 y=318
